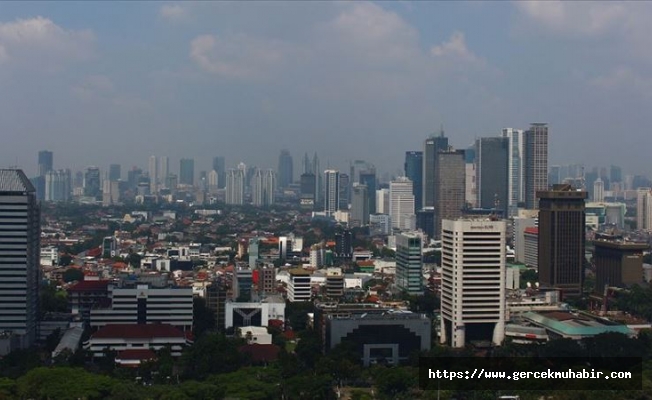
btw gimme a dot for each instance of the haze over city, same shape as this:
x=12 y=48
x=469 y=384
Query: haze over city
x=101 y=83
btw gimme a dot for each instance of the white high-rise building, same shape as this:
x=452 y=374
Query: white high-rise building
x=644 y=209
x=382 y=201
x=213 y=181
x=57 y=185
x=235 y=186
x=598 y=191
x=262 y=187
x=163 y=171
x=515 y=183
x=401 y=204
x=473 y=281
x=331 y=191
x=19 y=253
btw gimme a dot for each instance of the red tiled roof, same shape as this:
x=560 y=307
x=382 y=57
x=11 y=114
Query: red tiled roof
x=261 y=352
x=89 y=286
x=132 y=331
x=136 y=354
x=532 y=230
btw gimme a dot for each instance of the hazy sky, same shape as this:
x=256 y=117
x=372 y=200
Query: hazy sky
x=104 y=82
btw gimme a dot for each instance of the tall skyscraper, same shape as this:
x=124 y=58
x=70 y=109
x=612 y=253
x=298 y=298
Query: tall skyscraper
x=615 y=174
x=262 y=187
x=235 y=186
x=382 y=201
x=115 y=172
x=561 y=239
x=401 y=204
x=409 y=274
x=45 y=162
x=285 y=169
x=344 y=186
x=473 y=281
x=163 y=172
x=19 y=256
x=515 y=178
x=432 y=147
x=220 y=167
x=153 y=170
x=644 y=209
x=368 y=178
x=413 y=169
x=92 y=186
x=187 y=171
x=331 y=191
x=308 y=182
x=213 y=181
x=307 y=165
x=359 y=206
x=58 y=185
x=536 y=163
x=598 y=191
x=451 y=187
x=471 y=192
x=319 y=180
x=492 y=172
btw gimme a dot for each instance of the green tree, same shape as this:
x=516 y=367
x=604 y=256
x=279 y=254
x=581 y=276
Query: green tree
x=63 y=383
x=73 y=274
x=211 y=354
x=65 y=260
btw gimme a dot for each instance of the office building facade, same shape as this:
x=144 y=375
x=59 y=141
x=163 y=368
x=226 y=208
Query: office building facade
x=285 y=169
x=187 y=171
x=235 y=186
x=433 y=145
x=359 y=206
x=450 y=181
x=262 y=187
x=331 y=191
x=561 y=239
x=473 y=281
x=492 y=173
x=19 y=257
x=409 y=265
x=413 y=169
x=515 y=174
x=401 y=204
x=536 y=163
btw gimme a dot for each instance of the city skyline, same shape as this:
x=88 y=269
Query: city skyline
x=211 y=78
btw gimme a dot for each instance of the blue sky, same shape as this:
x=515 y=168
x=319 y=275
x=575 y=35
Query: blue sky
x=104 y=82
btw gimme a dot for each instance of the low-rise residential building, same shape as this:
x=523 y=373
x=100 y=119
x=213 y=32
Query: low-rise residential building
x=121 y=337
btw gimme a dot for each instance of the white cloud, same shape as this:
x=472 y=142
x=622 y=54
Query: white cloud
x=93 y=86
x=238 y=56
x=173 y=12
x=624 y=78
x=455 y=47
x=583 y=18
x=41 y=43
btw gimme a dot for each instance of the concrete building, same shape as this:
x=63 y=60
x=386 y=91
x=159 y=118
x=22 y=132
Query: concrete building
x=473 y=281
x=644 y=209
x=401 y=204
x=299 y=288
x=334 y=282
x=413 y=169
x=515 y=179
x=359 y=206
x=451 y=186
x=20 y=249
x=216 y=294
x=492 y=173
x=561 y=239
x=143 y=303
x=259 y=313
x=519 y=225
x=123 y=338
x=262 y=187
x=432 y=146
x=598 y=190
x=58 y=185
x=331 y=191
x=285 y=169
x=235 y=186
x=187 y=171
x=470 y=176
x=409 y=266
x=254 y=334
x=382 y=201
x=536 y=163
x=618 y=263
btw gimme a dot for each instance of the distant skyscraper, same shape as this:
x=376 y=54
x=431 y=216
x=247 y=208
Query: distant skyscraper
x=308 y=182
x=19 y=269
x=598 y=191
x=187 y=171
x=307 y=165
x=615 y=174
x=262 y=187
x=409 y=274
x=433 y=145
x=153 y=169
x=213 y=181
x=492 y=172
x=92 y=186
x=163 y=171
x=536 y=163
x=401 y=204
x=472 y=286
x=58 y=185
x=331 y=191
x=220 y=167
x=115 y=172
x=45 y=162
x=644 y=209
x=344 y=192
x=235 y=186
x=368 y=178
x=413 y=168
x=515 y=179
x=359 y=206
x=471 y=192
x=319 y=180
x=382 y=201
x=554 y=176
x=561 y=239
x=451 y=187
x=285 y=169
